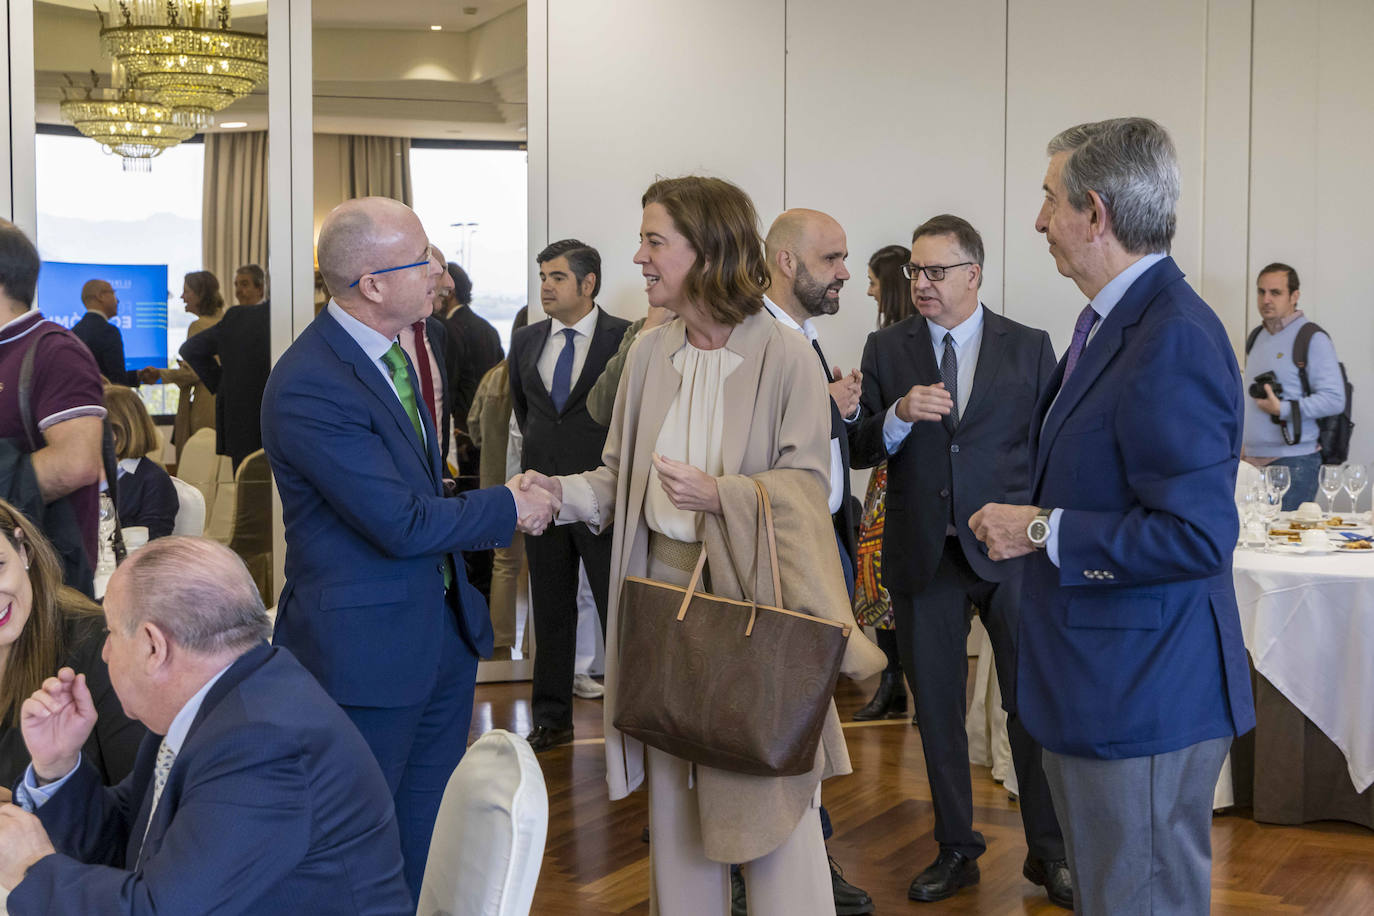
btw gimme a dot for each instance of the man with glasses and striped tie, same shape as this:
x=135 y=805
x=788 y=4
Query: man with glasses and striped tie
x=376 y=603
x=947 y=398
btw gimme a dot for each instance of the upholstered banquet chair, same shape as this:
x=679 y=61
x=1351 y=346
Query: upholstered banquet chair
x=199 y=465
x=190 y=518
x=489 y=839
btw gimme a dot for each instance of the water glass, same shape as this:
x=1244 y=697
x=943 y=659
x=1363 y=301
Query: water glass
x=1330 y=481
x=1355 y=477
x=1280 y=478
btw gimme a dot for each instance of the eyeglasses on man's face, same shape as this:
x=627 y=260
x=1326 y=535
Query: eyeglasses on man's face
x=428 y=256
x=934 y=272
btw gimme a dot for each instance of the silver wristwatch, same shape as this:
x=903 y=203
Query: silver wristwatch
x=1038 y=531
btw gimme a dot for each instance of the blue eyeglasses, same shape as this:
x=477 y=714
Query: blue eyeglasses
x=429 y=256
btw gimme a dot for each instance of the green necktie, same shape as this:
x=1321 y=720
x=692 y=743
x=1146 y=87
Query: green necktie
x=395 y=361
x=396 y=364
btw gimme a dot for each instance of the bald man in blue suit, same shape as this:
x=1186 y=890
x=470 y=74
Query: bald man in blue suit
x=376 y=604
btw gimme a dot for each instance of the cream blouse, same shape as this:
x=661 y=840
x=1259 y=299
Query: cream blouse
x=691 y=433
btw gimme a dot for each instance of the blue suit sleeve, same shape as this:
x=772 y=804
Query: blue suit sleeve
x=242 y=824
x=1177 y=431
x=1324 y=377
x=313 y=431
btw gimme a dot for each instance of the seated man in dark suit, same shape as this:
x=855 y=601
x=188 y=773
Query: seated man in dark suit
x=100 y=336
x=259 y=797
x=233 y=359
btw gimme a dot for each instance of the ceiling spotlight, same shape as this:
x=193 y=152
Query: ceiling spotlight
x=230 y=125
x=436 y=28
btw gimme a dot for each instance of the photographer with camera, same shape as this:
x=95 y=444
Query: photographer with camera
x=1289 y=389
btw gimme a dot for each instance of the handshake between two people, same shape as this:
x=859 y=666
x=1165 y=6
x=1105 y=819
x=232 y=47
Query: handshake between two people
x=537 y=501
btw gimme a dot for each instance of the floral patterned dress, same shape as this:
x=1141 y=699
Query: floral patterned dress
x=872 y=604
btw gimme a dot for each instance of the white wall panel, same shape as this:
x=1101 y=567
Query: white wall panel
x=1311 y=192
x=894 y=114
x=1225 y=270
x=1071 y=61
x=637 y=92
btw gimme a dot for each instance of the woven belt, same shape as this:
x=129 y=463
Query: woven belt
x=677 y=554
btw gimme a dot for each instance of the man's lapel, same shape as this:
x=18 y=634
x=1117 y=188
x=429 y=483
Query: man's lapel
x=369 y=374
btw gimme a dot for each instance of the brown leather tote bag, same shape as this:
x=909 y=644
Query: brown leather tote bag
x=735 y=685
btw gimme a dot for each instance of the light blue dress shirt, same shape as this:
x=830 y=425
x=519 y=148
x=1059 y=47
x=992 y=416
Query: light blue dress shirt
x=1102 y=303
x=968 y=341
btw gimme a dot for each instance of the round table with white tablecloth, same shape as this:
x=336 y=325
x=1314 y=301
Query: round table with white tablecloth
x=1308 y=622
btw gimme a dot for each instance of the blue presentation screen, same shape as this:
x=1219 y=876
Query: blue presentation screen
x=142 y=293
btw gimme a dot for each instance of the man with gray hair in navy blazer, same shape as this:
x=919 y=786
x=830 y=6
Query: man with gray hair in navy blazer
x=1132 y=673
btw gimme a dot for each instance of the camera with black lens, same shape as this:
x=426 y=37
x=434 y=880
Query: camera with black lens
x=1265 y=378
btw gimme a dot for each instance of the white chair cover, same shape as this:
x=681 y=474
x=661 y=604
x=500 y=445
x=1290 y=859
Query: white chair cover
x=199 y=465
x=488 y=842
x=190 y=518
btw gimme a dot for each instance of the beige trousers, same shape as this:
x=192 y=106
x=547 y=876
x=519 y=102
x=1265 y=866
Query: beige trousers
x=505 y=582
x=792 y=880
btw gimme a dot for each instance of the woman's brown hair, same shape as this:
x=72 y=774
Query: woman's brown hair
x=134 y=433
x=41 y=645
x=205 y=285
x=718 y=220
x=894 y=290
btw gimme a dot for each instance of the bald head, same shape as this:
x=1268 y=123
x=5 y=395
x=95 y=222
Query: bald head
x=99 y=295
x=359 y=242
x=196 y=590
x=806 y=252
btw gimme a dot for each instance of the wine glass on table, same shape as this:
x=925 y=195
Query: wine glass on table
x=1280 y=478
x=1247 y=501
x=1268 y=503
x=1330 y=480
x=1356 y=478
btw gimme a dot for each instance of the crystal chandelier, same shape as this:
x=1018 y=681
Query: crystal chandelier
x=184 y=54
x=127 y=123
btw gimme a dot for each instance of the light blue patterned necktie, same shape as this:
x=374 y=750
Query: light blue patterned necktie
x=161 y=769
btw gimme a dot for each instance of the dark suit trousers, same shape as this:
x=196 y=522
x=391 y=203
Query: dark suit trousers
x=932 y=635
x=418 y=747
x=553 y=558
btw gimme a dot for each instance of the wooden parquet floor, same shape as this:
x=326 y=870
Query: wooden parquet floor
x=595 y=861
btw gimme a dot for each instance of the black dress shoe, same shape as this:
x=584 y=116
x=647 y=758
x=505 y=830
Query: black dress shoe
x=849 y=900
x=739 y=903
x=889 y=702
x=947 y=874
x=1054 y=876
x=544 y=738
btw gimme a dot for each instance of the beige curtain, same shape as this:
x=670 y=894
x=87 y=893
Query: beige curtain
x=234 y=205
x=375 y=167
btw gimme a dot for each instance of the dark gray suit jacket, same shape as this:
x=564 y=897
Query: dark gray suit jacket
x=986 y=458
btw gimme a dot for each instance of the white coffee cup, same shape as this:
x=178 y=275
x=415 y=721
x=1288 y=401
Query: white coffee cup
x=1315 y=539
x=135 y=537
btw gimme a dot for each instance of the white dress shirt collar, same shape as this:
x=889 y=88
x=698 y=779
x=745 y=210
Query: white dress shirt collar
x=1107 y=298
x=806 y=327
x=584 y=326
x=373 y=342
x=181 y=724
x=962 y=332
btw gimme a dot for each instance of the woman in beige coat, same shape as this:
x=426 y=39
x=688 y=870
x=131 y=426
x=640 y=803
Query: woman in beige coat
x=707 y=403
x=196 y=405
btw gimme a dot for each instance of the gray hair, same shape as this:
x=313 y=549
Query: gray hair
x=196 y=591
x=1132 y=165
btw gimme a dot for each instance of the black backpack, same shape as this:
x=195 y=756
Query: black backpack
x=1333 y=432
